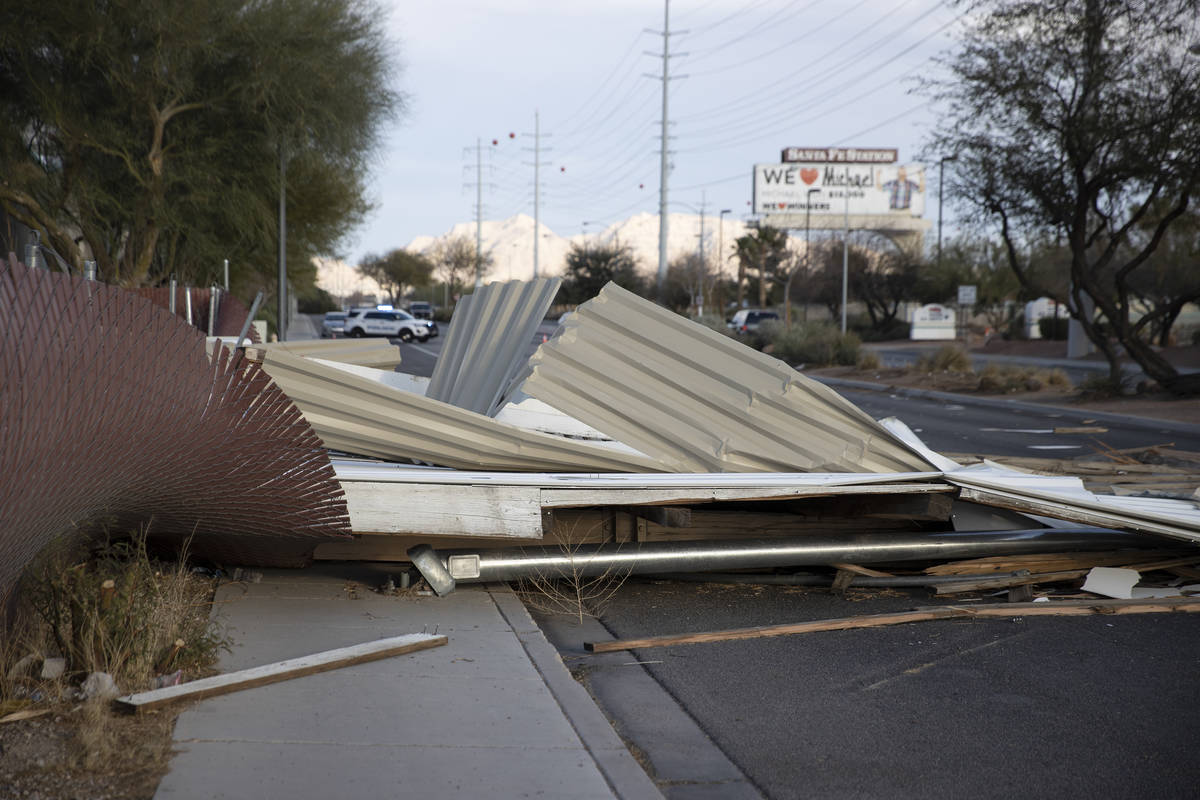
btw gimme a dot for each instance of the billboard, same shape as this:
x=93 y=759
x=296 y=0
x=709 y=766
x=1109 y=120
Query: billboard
x=870 y=189
x=842 y=155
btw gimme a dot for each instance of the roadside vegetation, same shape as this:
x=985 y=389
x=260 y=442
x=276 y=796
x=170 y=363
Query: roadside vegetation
x=91 y=621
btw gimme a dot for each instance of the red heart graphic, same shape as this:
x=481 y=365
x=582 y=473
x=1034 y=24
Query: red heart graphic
x=782 y=205
x=808 y=175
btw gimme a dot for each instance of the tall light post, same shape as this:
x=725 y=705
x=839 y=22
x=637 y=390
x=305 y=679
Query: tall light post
x=941 y=182
x=787 y=287
x=721 y=248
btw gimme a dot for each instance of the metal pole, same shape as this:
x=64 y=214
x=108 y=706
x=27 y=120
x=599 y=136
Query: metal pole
x=174 y=289
x=187 y=304
x=703 y=264
x=845 y=259
x=537 y=189
x=213 y=295
x=227 y=274
x=479 y=210
x=282 y=321
x=89 y=270
x=249 y=319
x=663 y=221
x=941 y=178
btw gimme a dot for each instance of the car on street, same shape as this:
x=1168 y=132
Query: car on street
x=420 y=309
x=390 y=323
x=749 y=320
x=333 y=325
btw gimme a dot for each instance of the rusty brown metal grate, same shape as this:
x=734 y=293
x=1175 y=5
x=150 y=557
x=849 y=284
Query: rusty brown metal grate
x=112 y=412
x=231 y=312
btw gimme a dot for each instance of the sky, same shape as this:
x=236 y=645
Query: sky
x=754 y=77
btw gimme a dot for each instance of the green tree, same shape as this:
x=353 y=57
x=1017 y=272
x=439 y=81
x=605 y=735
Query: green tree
x=397 y=271
x=590 y=266
x=1171 y=277
x=153 y=131
x=1079 y=119
x=763 y=255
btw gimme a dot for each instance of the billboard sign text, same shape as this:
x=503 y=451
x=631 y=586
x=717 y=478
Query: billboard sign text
x=789 y=189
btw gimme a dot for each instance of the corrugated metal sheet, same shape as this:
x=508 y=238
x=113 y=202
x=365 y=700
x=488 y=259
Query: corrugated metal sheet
x=699 y=401
x=361 y=416
x=486 y=345
x=378 y=353
x=112 y=414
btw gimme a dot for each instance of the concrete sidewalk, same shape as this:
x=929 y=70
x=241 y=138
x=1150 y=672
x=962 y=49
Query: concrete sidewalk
x=492 y=714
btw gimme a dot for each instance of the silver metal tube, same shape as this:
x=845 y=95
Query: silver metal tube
x=258 y=298
x=213 y=299
x=811 y=579
x=187 y=304
x=815 y=549
x=89 y=270
x=174 y=288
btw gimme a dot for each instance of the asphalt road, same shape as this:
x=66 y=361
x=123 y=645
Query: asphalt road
x=1096 y=707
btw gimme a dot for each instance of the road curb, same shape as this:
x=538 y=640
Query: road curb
x=624 y=774
x=1146 y=423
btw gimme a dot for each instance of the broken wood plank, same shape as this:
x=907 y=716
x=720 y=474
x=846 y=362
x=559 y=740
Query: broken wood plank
x=1052 y=562
x=1081 y=430
x=431 y=510
x=860 y=570
x=1008 y=610
x=28 y=713
x=281 y=671
x=1008 y=581
x=842 y=581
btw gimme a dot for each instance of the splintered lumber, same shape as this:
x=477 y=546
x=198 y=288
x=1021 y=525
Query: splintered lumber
x=1008 y=581
x=1057 y=562
x=1069 y=608
x=281 y=671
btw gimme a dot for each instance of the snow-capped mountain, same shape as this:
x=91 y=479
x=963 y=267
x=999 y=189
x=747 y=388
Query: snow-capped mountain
x=510 y=243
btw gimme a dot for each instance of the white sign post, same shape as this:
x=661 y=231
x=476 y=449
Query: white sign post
x=966 y=301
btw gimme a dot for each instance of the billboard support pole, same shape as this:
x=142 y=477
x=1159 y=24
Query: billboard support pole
x=845 y=258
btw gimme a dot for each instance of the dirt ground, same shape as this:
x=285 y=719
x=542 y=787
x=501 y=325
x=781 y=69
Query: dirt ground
x=85 y=753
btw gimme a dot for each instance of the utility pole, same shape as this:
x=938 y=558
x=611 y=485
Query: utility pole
x=703 y=263
x=845 y=259
x=281 y=323
x=478 y=209
x=941 y=180
x=664 y=153
x=537 y=190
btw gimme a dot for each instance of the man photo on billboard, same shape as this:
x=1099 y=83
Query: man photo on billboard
x=900 y=191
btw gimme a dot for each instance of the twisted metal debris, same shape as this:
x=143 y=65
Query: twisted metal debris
x=112 y=412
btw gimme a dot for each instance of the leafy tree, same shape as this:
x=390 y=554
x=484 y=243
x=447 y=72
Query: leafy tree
x=454 y=262
x=397 y=271
x=1170 y=278
x=763 y=255
x=1079 y=119
x=152 y=133
x=590 y=266
x=973 y=260
x=883 y=279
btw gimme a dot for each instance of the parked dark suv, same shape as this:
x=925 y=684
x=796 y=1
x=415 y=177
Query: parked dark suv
x=748 y=320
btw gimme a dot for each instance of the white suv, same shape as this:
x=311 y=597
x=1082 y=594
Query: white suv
x=393 y=324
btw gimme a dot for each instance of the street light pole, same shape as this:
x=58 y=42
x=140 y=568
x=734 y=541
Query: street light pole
x=721 y=249
x=941 y=180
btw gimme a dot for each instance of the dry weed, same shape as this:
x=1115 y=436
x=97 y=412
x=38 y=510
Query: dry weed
x=568 y=590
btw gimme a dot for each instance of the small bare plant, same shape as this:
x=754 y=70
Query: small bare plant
x=569 y=589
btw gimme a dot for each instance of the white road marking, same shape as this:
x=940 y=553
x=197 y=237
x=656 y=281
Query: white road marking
x=424 y=350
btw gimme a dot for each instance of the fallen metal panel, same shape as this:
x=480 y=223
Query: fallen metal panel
x=378 y=353
x=358 y=415
x=700 y=401
x=485 y=347
x=112 y=411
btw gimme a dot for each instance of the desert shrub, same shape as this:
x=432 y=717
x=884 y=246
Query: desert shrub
x=868 y=359
x=815 y=344
x=1007 y=378
x=116 y=610
x=885 y=332
x=949 y=358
